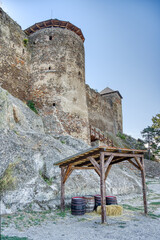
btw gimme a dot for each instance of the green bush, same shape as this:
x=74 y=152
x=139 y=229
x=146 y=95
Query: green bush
x=31 y=105
x=25 y=42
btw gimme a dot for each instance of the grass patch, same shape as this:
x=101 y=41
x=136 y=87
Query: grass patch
x=155 y=203
x=128 y=207
x=81 y=219
x=12 y=238
x=154 y=216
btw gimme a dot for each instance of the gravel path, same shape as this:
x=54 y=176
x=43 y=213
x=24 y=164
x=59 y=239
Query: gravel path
x=57 y=226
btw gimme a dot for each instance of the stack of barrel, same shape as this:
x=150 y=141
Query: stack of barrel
x=88 y=203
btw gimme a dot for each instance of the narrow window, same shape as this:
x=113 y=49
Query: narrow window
x=54 y=104
x=79 y=73
x=50 y=37
x=23 y=51
x=49 y=68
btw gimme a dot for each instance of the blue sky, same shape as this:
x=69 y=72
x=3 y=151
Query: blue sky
x=122 y=47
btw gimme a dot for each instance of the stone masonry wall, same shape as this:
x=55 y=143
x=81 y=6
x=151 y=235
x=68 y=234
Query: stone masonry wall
x=104 y=112
x=50 y=70
x=14 y=58
x=58 y=81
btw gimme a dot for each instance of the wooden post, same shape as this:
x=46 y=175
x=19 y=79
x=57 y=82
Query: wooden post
x=102 y=186
x=62 y=189
x=144 y=186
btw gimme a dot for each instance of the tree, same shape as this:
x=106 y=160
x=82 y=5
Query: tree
x=156 y=121
x=151 y=136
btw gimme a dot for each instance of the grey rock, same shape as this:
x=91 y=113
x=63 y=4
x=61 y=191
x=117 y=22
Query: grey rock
x=33 y=153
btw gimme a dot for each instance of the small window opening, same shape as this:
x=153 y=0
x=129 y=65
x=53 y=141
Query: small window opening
x=34 y=42
x=49 y=68
x=50 y=37
x=23 y=51
x=54 y=104
x=79 y=73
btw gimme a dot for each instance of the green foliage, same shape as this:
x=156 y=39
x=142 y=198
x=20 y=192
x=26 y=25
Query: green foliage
x=49 y=181
x=7 y=181
x=25 y=42
x=151 y=136
x=121 y=135
x=156 y=121
x=63 y=142
x=31 y=105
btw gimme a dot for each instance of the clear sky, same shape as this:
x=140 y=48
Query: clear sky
x=122 y=47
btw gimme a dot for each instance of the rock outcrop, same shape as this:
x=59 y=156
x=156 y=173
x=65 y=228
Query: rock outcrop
x=28 y=178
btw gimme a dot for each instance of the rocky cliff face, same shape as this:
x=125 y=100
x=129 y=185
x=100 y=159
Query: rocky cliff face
x=28 y=178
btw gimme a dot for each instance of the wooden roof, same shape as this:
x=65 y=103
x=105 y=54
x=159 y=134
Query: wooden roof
x=81 y=159
x=54 y=23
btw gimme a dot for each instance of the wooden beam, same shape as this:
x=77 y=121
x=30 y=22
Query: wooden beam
x=97 y=172
x=144 y=186
x=107 y=171
x=62 y=189
x=83 y=168
x=123 y=154
x=37 y=26
x=67 y=172
x=118 y=161
x=129 y=160
x=102 y=186
x=95 y=164
x=139 y=163
x=109 y=160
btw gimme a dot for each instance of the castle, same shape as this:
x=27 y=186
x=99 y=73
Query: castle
x=46 y=64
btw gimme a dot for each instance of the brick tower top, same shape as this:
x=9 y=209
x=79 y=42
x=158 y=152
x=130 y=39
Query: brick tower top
x=54 y=23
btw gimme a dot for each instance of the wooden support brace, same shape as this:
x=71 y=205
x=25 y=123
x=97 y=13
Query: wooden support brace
x=137 y=166
x=95 y=164
x=67 y=172
x=139 y=163
x=144 y=186
x=107 y=171
x=62 y=189
x=102 y=186
x=108 y=162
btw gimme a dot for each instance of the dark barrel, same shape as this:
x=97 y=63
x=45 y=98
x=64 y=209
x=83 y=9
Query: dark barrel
x=90 y=203
x=97 y=200
x=111 y=200
x=78 y=206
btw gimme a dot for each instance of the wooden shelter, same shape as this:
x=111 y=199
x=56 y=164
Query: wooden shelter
x=101 y=160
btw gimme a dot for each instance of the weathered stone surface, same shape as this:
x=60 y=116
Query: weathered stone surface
x=32 y=153
x=16 y=115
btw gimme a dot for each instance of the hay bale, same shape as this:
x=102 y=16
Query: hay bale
x=111 y=210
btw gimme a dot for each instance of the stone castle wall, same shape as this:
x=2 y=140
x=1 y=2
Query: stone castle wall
x=50 y=70
x=105 y=112
x=14 y=58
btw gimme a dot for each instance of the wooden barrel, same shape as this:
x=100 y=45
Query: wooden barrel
x=111 y=200
x=78 y=206
x=90 y=203
x=97 y=200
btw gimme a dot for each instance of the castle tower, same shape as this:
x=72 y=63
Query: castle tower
x=58 y=77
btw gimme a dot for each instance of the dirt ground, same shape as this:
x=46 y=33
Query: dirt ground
x=133 y=224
